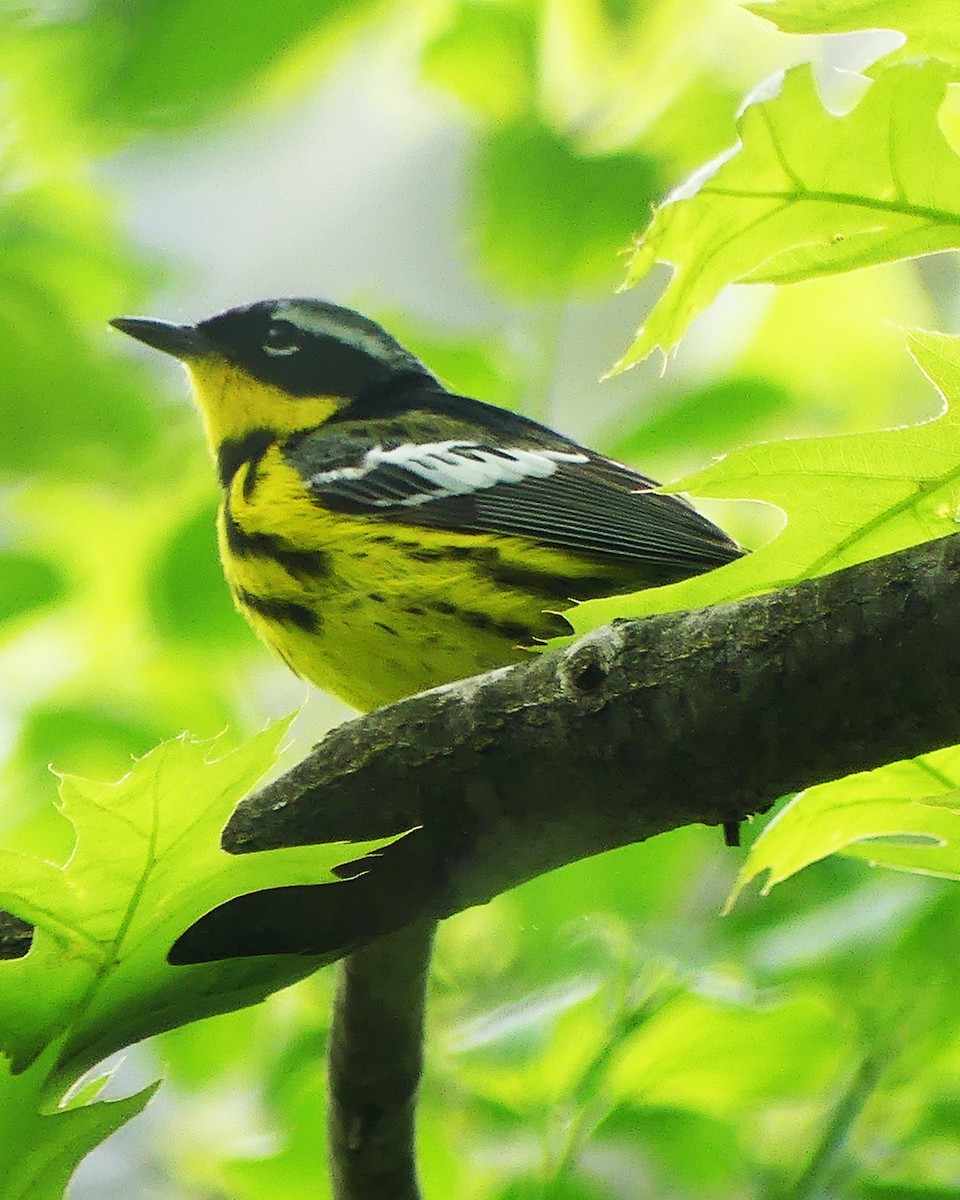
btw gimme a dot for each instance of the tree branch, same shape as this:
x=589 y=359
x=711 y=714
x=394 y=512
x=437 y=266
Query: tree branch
x=374 y=1060
x=692 y=717
x=16 y=936
x=703 y=716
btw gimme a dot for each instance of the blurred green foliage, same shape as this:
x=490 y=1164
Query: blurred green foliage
x=161 y=64
x=600 y=1033
x=550 y=220
x=27 y=582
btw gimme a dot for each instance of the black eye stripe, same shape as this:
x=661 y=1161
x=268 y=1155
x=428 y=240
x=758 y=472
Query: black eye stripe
x=308 y=348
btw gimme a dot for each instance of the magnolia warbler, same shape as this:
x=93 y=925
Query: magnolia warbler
x=385 y=535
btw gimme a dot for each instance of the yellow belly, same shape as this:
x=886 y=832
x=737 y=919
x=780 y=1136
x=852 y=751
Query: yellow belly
x=375 y=611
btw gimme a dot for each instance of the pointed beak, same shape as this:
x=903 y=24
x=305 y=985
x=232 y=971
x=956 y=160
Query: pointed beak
x=182 y=341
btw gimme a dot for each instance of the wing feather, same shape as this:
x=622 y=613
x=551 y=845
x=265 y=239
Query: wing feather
x=539 y=486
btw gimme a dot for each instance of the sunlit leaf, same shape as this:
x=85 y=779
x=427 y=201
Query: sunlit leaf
x=41 y=1148
x=147 y=863
x=932 y=26
x=806 y=193
x=914 y=805
x=836 y=343
x=698 y=125
x=848 y=499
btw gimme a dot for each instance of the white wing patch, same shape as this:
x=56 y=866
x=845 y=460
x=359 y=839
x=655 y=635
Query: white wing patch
x=453 y=468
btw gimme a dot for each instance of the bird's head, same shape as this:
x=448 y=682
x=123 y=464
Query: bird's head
x=280 y=364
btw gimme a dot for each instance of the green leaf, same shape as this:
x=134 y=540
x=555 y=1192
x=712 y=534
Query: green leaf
x=40 y=1150
x=805 y=194
x=165 y=65
x=848 y=498
x=721 y=1059
x=932 y=26
x=485 y=57
x=188 y=596
x=27 y=582
x=836 y=344
x=550 y=220
x=916 y=803
x=147 y=863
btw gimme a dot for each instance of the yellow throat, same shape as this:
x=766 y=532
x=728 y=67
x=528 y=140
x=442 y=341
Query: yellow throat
x=233 y=403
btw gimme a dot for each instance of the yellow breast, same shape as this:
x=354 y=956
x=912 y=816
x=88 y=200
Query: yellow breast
x=374 y=610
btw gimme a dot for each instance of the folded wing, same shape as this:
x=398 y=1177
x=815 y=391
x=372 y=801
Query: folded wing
x=560 y=494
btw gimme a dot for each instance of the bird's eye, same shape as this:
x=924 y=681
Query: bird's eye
x=282 y=338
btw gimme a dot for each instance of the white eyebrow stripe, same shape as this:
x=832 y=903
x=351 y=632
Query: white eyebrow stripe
x=362 y=335
x=449 y=473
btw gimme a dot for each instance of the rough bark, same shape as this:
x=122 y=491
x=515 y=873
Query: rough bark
x=374 y=1061
x=703 y=716
x=641 y=727
x=16 y=936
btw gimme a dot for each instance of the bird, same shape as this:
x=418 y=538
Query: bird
x=386 y=535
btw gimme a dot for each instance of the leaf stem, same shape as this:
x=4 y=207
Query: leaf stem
x=826 y=1153
x=590 y=1105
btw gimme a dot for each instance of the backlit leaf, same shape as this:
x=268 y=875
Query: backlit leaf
x=147 y=863
x=848 y=499
x=805 y=193
x=932 y=26
x=912 y=807
x=42 y=1146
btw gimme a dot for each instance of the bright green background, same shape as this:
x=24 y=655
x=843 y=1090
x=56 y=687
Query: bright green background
x=602 y=1032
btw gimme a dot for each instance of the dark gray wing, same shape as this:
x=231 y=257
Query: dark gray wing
x=558 y=493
